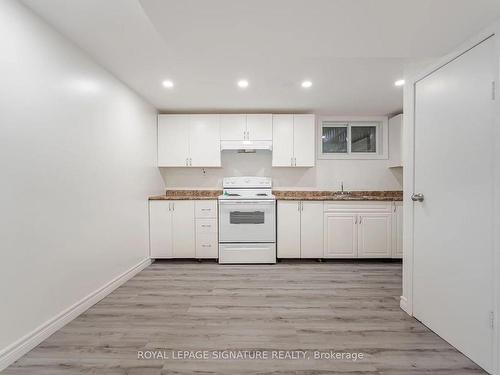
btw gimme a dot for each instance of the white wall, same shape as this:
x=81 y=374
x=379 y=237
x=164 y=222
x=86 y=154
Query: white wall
x=77 y=162
x=327 y=174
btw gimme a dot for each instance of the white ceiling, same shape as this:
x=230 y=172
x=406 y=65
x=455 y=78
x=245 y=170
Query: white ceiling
x=352 y=50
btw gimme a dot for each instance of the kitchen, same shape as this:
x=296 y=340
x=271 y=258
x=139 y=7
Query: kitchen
x=245 y=216
x=269 y=187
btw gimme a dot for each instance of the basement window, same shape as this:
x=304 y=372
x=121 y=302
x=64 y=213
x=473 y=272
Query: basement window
x=352 y=139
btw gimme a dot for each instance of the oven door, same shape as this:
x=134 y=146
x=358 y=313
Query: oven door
x=247 y=221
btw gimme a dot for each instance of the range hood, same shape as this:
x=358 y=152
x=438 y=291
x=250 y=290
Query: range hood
x=246 y=145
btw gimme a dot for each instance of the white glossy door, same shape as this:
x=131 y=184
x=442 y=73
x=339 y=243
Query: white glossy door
x=340 y=235
x=311 y=231
x=288 y=220
x=173 y=140
x=453 y=226
x=204 y=141
x=282 y=141
x=375 y=235
x=183 y=229
x=260 y=127
x=160 y=229
x=233 y=127
x=303 y=140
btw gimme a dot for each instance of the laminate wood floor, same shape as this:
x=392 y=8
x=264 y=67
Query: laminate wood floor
x=312 y=307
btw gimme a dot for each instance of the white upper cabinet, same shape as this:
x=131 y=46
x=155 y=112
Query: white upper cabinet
x=233 y=127
x=251 y=127
x=303 y=140
x=282 y=141
x=259 y=127
x=204 y=141
x=293 y=141
x=396 y=141
x=173 y=140
x=189 y=141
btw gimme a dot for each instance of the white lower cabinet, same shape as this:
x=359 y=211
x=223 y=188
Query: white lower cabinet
x=207 y=244
x=358 y=230
x=397 y=230
x=183 y=239
x=171 y=229
x=374 y=235
x=341 y=235
x=160 y=229
x=300 y=229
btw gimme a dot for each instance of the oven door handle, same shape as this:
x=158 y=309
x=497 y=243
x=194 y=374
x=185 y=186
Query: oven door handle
x=269 y=202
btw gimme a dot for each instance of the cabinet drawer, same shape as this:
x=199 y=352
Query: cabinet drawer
x=206 y=226
x=206 y=209
x=206 y=245
x=359 y=206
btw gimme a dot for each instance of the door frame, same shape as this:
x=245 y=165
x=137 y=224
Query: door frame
x=413 y=74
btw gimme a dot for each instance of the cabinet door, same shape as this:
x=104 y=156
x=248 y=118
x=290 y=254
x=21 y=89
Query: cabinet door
x=173 y=140
x=303 y=140
x=260 y=127
x=311 y=230
x=183 y=229
x=340 y=235
x=396 y=141
x=204 y=141
x=288 y=218
x=282 y=141
x=374 y=236
x=160 y=229
x=233 y=127
x=397 y=231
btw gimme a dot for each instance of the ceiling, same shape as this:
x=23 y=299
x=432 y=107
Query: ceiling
x=352 y=50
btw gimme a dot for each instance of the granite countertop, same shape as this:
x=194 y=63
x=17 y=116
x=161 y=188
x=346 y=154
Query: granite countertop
x=289 y=195
x=336 y=196
x=183 y=195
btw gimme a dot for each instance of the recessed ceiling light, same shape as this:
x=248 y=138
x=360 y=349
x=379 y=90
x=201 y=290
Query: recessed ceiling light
x=306 y=84
x=399 y=82
x=243 y=83
x=168 y=84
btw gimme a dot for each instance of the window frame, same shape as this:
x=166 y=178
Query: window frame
x=382 y=134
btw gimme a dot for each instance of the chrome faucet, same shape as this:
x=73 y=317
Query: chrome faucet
x=342 y=192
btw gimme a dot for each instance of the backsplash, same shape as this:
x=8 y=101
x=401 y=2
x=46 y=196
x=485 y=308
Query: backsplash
x=326 y=175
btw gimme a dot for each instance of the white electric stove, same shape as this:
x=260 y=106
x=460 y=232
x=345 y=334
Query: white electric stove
x=247 y=221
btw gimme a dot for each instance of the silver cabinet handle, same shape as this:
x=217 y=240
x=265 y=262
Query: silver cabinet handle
x=298 y=206
x=291 y=162
x=190 y=162
x=206 y=226
x=356 y=220
x=302 y=206
x=206 y=245
x=417 y=197
x=294 y=162
x=206 y=209
x=360 y=219
x=173 y=206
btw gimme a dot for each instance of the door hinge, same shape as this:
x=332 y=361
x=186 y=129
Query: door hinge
x=493 y=90
x=492 y=319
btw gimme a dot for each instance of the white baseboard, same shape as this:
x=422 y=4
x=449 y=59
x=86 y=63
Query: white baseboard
x=403 y=303
x=22 y=346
